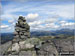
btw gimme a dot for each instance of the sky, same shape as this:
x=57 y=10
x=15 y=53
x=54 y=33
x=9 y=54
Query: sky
x=40 y=14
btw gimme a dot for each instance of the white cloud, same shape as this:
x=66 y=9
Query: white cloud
x=0 y=9
x=4 y=26
x=35 y=23
x=68 y=24
x=0 y=5
x=52 y=25
x=62 y=22
x=44 y=24
x=65 y=11
x=38 y=27
x=9 y=28
x=51 y=20
x=8 y=16
x=45 y=27
x=32 y=16
x=11 y=21
x=50 y=13
x=13 y=24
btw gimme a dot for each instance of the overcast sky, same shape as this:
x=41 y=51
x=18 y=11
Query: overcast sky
x=40 y=14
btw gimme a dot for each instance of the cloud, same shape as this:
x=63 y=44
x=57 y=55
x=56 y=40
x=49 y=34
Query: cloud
x=52 y=25
x=70 y=25
x=35 y=23
x=17 y=9
x=8 y=16
x=46 y=27
x=66 y=12
x=0 y=5
x=4 y=26
x=39 y=27
x=9 y=28
x=62 y=22
x=0 y=8
x=5 y=29
x=51 y=20
x=36 y=9
x=44 y=14
x=10 y=21
x=43 y=25
x=32 y=16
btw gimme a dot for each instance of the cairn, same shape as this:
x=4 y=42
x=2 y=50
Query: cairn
x=21 y=34
x=22 y=30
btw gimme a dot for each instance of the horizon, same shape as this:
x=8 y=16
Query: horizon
x=42 y=31
x=40 y=15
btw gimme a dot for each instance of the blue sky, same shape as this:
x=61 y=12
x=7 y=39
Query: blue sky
x=40 y=14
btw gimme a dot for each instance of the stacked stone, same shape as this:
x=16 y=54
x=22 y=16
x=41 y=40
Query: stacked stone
x=22 y=30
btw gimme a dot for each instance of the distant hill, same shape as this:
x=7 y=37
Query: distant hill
x=66 y=32
x=69 y=32
x=5 y=37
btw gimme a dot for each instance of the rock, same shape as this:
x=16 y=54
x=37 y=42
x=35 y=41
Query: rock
x=22 y=32
x=22 y=29
x=15 y=47
x=47 y=48
x=24 y=45
x=28 y=45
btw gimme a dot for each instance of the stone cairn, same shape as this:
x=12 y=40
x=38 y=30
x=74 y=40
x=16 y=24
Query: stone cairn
x=22 y=30
x=21 y=34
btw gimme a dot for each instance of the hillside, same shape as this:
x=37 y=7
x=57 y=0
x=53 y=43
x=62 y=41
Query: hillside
x=65 y=32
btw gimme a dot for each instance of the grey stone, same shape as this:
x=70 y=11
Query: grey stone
x=22 y=28
x=22 y=32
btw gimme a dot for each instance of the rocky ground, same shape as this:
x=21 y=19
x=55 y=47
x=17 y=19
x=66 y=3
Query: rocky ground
x=4 y=47
x=48 y=47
